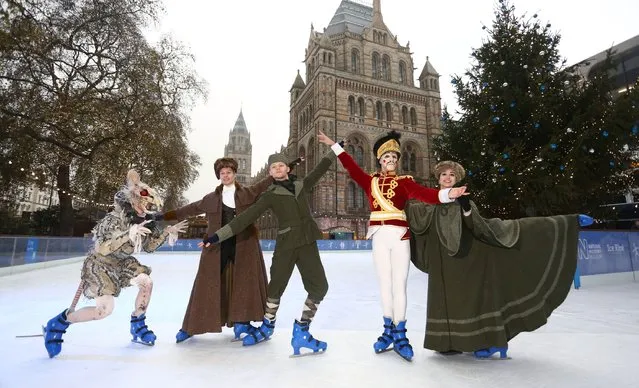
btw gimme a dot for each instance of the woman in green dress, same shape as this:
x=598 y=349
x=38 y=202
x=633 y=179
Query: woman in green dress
x=489 y=279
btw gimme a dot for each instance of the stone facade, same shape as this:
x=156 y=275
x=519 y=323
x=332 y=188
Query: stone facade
x=359 y=84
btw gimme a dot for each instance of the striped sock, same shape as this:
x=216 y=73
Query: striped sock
x=310 y=308
x=271 y=308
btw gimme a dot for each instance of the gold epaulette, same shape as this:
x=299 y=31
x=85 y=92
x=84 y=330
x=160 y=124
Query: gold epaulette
x=406 y=177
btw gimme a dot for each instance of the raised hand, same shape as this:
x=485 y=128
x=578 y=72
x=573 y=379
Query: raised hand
x=180 y=227
x=206 y=242
x=322 y=138
x=457 y=192
x=139 y=230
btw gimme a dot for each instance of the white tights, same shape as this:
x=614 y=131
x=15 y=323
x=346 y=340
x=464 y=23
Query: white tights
x=391 y=255
x=104 y=304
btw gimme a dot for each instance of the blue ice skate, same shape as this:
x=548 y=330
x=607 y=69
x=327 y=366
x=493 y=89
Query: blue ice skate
x=240 y=328
x=140 y=332
x=487 y=353
x=53 y=333
x=259 y=334
x=302 y=338
x=585 y=220
x=386 y=339
x=182 y=336
x=401 y=344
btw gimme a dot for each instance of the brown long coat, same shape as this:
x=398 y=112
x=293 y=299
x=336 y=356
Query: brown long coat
x=204 y=313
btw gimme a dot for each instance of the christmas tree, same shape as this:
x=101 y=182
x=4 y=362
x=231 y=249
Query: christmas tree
x=534 y=136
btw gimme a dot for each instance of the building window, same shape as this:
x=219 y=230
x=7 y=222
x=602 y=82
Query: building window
x=389 y=112
x=404 y=115
x=386 y=73
x=375 y=65
x=361 y=105
x=355 y=61
x=301 y=169
x=413 y=117
x=350 y=195
x=402 y=72
x=409 y=160
x=351 y=106
x=379 y=111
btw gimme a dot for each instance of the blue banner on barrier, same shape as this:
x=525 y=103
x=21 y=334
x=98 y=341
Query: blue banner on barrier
x=604 y=252
x=31 y=255
x=633 y=242
x=599 y=251
x=269 y=245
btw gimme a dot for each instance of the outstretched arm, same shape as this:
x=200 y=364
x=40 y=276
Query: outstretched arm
x=243 y=220
x=314 y=176
x=190 y=210
x=425 y=194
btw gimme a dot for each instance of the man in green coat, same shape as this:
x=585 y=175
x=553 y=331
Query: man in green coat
x=296 y=245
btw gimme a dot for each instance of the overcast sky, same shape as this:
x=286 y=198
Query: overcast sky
x=249 y=52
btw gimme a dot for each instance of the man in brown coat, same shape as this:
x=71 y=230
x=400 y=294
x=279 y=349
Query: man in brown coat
x=230 y=285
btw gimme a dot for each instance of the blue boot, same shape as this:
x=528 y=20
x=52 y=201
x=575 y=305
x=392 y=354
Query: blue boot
x=302 y=338
x=386 y=339
x=585 y=220
x=182 y=336
x=140 y=332
x=53 y=333
x=240 y=328
x=259 y=334
x=401 y=344
x=487 y=353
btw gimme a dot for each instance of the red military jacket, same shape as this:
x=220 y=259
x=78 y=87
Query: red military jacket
x=394 y=189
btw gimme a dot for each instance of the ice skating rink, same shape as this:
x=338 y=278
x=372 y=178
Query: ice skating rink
x=592 y=340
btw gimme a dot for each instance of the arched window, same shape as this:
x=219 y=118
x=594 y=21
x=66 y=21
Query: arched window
x=413 y=117
x=361 y=107
x=375 y=65
x=359 y=156
x=404 y=115
x=409 y=160
x=310 y=152
x=402 y=73
x=379 y=111
x=386 y=73
x=351 y=106
x=360 y=199
x=300 y=170
x=355 y=149
x=355 y=61
x=389 y=112
x=350 y=195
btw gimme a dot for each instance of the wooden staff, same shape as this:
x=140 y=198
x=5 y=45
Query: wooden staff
x=71 y=309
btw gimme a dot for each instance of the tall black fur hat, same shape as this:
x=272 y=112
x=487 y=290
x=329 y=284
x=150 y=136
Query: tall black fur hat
x=390 y=142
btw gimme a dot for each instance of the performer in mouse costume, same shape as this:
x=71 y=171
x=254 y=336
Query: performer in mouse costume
x=489 y=279
x=296 y=245
x=110 y=266
x=387 y=194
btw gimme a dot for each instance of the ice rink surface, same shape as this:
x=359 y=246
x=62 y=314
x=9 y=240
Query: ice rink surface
x=592 y=340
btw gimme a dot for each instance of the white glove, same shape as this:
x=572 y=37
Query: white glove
x=174 y=230
x=136 y=232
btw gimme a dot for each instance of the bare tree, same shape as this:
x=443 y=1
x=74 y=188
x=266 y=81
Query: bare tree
x=80 y=78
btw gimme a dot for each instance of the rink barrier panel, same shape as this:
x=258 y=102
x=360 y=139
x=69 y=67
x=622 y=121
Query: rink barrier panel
x=613 y=253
